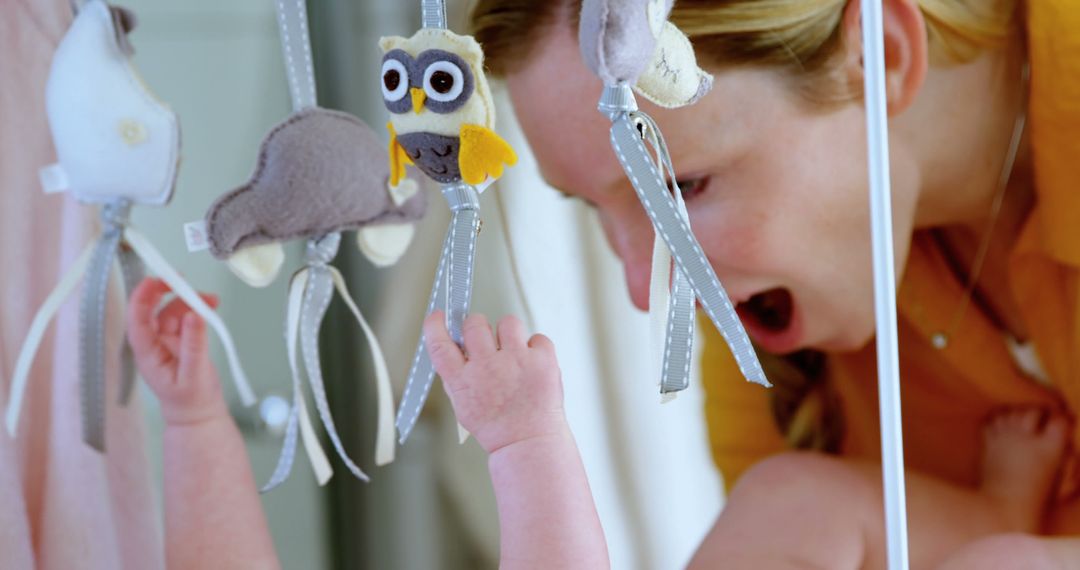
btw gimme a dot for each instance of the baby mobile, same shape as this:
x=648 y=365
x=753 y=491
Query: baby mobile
x=319 y=173
x=630 y=45
x=117 y=146
x=442 y=121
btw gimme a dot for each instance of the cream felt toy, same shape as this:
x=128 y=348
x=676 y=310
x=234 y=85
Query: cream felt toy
x=117 y=146
x=616 y=37
x=442 y=120
x=630 y=45
x=319 y=173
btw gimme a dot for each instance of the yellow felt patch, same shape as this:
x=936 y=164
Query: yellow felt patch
x=483 y=153
x=398 y=157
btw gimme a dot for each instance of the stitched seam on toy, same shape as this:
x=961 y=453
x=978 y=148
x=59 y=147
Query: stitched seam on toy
x=225 y=200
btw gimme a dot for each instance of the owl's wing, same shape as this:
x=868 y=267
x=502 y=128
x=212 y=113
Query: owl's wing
x=483 y=153
x=398 y=157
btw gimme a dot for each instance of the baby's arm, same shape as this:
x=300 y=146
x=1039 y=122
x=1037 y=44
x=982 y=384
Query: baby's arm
x=213 y=515
x=508 y=393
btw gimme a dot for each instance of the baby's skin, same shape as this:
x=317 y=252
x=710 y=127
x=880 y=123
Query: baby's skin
x=506 y=389
x=213 y=515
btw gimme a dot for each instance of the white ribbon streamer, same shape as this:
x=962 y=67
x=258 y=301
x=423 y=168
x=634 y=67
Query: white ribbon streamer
x=156 y=262
x=384 y=439
x=298 y=415
x=29 y=349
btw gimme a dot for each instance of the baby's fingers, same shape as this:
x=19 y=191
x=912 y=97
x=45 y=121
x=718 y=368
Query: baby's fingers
x=142 y=334
x=479 y=341
x=511 y=333
x=542 y=343
x=170 y=318
x=193 y=346
x=444 y=352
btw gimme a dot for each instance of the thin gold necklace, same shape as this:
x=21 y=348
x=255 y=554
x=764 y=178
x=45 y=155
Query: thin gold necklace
x=940 y=340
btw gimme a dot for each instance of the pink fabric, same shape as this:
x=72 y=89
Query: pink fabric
x=62 y=505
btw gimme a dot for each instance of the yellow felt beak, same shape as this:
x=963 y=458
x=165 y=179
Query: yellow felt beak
x=418 y=98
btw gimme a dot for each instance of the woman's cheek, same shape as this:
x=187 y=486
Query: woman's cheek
x=737 y=242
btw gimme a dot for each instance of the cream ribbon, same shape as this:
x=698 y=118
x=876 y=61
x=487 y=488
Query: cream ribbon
x=309 y=296
x=143 y=249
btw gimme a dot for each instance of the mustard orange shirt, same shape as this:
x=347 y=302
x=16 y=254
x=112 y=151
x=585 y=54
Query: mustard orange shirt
x=947 y=394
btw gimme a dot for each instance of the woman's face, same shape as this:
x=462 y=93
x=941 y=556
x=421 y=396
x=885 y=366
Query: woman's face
x=775 y=189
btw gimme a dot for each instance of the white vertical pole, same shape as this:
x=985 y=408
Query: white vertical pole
x=892 y=441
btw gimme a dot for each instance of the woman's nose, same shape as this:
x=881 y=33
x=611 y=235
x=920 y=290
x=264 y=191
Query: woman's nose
x=638 y=275
x=631 y=236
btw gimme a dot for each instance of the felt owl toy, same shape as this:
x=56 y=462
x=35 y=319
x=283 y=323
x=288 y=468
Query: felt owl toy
x=442 y=114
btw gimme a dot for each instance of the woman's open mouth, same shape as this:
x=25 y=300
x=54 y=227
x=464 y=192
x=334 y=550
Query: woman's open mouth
x=771 y=320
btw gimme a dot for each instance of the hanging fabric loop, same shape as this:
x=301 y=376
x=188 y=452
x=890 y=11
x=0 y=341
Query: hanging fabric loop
x=114 y=216
x=433 y=14
x=310 y=292
x=296 y=49
x=451 y=292
x=630 y=129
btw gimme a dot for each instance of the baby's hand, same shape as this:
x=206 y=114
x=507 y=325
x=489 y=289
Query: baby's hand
x=171 y=352
x=505 y=390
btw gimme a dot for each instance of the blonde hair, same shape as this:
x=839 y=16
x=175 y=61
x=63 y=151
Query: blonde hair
x=799 y=37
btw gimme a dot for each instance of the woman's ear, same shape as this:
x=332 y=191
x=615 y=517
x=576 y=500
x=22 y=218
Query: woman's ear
x=906 y=50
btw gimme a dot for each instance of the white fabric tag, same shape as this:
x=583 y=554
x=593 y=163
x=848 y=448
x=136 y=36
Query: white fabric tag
x=53 y=179
x=195 y=236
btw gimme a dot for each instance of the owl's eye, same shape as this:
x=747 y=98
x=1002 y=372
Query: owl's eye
x=443 y=81
x=395 y=80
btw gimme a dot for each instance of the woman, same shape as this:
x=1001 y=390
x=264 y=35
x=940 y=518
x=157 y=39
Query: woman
x=772 y=163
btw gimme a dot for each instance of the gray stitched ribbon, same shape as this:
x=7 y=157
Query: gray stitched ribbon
x=679 y=332
x=451 y=292
x=288 y=450
x=133 y=271
x=318 y=292
x=627 y=141
x=679 y=339
x=296 y=49
x=433 y=14
x=114 y=216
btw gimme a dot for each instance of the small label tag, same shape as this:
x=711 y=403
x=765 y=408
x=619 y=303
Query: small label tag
x=53 y=179
x=485 y=185
x=195 y=236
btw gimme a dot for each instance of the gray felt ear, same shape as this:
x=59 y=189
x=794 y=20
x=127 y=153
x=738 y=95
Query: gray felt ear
x=618 y=37
x=258 y=265
x=673 y=78
x=385 y=244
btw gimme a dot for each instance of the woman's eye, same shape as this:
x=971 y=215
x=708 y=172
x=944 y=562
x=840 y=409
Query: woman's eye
x=693 y=187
